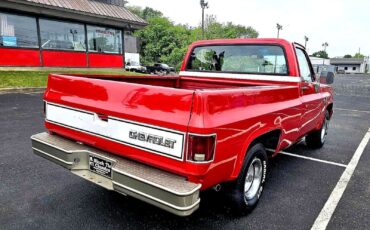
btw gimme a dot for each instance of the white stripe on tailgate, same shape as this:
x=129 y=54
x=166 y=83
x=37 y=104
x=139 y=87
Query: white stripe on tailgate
x=241 y=76
x=151 y=138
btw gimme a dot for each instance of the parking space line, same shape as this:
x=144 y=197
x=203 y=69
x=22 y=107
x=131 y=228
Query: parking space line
x=314 y=159
x=327 y=211
x=352 y=110
x=309 y=158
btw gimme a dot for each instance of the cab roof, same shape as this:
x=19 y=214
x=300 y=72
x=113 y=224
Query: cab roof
x=279 y=41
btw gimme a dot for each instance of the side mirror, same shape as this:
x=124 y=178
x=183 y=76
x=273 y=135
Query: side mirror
x=327 y=77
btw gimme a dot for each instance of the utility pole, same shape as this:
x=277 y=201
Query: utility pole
x=325 y=45
x=305 y=42
x=204 y=5
x=279 y=27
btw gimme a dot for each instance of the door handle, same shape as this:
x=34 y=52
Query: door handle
x=305 y=88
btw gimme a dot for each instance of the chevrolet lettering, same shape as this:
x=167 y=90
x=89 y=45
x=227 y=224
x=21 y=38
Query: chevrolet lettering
x=149 y=138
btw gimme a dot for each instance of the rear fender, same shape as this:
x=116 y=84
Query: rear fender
x=247 y=144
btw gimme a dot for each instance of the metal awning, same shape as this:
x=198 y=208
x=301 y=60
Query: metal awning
x=347 y=61
x=91 y=11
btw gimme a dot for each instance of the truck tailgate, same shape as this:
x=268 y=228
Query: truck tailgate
x=147 y=118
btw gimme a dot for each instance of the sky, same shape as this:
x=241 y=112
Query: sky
x=343 y=24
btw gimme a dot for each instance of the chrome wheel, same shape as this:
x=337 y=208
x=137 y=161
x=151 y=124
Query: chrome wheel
x=253 y=179
x=324 y=130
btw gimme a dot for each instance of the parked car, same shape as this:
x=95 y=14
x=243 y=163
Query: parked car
x=135 y=68
x=235 y=104
x=160 y=68
x=341 y=71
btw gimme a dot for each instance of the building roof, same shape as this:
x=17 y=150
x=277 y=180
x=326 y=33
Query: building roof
x=92 y=8
x=319 y=61
x=347 y=61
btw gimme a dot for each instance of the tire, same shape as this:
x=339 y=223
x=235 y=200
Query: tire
x=317 y=138
x=248 y=188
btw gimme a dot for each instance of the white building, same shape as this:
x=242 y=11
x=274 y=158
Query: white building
x=319 y=61
x=321 y=64
x=351 y=65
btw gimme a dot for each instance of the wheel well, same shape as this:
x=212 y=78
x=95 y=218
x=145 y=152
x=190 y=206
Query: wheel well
x=269 y=140
x=330 y=109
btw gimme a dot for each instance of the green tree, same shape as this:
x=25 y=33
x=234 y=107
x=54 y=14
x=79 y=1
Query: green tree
x=321 y=54
x=136 y=10
x=149 y=13
x=164 y=41
x=358 y=55
x=217 y=30
x=146 y=13
x=348 y=56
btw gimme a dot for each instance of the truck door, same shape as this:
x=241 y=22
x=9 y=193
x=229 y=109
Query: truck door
x=312 y=102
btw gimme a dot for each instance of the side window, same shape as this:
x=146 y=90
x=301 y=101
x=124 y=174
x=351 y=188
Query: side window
x=304 y=66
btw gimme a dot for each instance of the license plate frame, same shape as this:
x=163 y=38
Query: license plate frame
x=100 y=166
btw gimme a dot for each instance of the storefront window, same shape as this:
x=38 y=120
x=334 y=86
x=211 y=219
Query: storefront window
x=104 y=40
x=18 y=31
x=62 y=35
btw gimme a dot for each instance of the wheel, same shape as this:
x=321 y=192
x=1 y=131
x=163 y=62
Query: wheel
x=248 y=188
x=317 y=138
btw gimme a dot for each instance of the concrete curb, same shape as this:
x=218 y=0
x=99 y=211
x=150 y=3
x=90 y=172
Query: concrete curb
x=22 y=90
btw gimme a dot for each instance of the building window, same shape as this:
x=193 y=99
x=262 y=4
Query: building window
x=62 y=35
x=18 y=31
x=345 y=68
x=354 y=68
x=104 y=40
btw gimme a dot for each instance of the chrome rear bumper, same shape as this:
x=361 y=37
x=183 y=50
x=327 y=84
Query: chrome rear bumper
x=162 y=189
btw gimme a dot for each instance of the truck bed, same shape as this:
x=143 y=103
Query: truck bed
x=101 y=110
x=187 y=83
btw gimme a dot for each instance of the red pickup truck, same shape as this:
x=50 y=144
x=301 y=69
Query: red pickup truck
x=162 y=140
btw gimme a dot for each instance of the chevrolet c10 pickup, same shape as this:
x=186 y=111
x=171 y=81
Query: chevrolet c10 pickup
x=163 y=139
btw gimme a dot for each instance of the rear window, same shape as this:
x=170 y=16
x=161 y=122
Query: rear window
x=253 y=59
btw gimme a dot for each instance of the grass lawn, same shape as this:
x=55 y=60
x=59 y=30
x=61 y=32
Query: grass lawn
x=38 y=78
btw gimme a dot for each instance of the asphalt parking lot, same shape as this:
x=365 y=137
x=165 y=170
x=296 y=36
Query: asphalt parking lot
x=303 y=188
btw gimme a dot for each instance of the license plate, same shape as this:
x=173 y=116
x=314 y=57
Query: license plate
x=100 y=166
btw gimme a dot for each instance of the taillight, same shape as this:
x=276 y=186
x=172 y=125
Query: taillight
x=201 y=148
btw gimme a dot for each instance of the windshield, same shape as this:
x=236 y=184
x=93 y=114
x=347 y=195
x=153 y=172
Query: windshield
x=254 y=59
